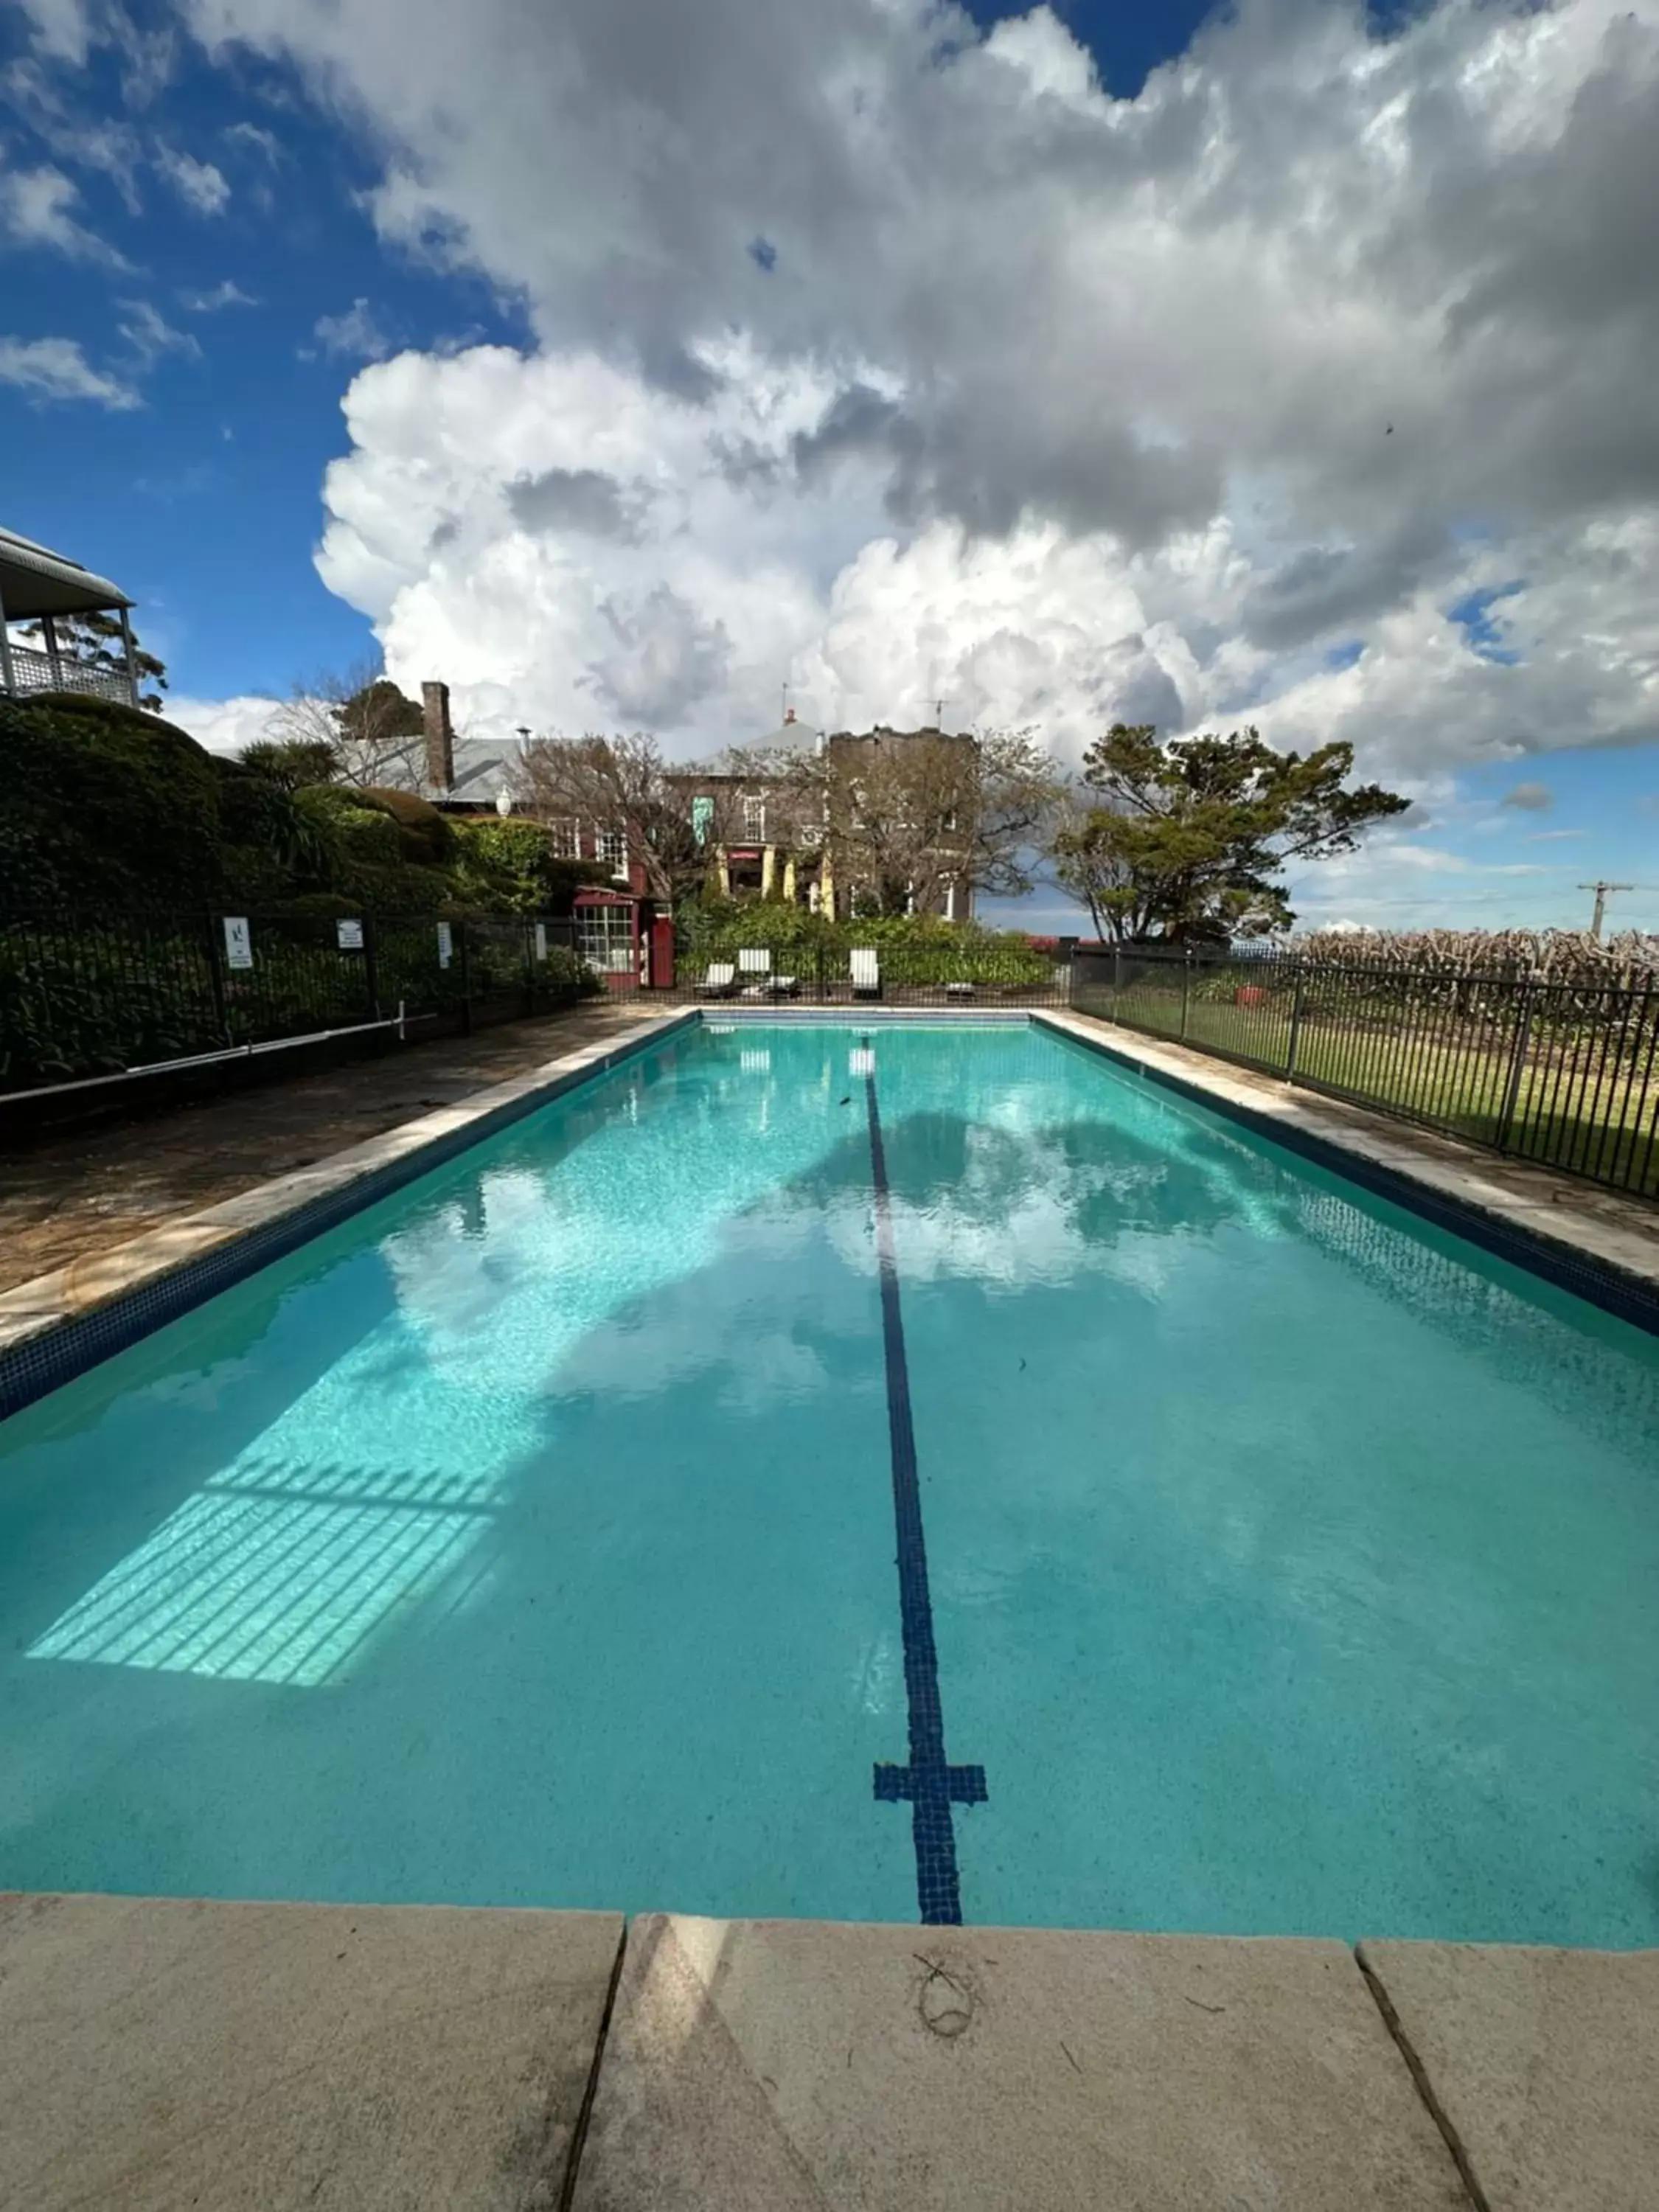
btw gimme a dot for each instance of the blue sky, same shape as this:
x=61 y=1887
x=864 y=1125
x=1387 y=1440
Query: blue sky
x=197 y=272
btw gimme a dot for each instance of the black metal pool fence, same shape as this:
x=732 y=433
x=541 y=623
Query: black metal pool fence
x=92 y=999
x=1561 y=1073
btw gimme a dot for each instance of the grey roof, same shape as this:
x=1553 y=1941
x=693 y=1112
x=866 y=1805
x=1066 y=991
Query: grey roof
x=484 y=767
x=34 y=580
x=790 y=737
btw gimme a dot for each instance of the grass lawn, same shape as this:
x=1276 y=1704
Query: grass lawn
x=1576 y=1106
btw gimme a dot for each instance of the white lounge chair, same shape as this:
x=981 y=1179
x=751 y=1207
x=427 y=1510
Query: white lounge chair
x=959 y=990
x=756 y=967
x=866 y=972
x=720 y=982
x=785 y=987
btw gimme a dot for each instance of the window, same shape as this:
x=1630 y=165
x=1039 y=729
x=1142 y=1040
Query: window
x=754 y=817
x=565 y=837
x=604 y=938
x=612 y=846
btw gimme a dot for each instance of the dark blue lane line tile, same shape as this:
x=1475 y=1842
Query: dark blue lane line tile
x=929 y=1783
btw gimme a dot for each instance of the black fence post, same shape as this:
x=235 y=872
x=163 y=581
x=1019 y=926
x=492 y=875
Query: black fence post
x=1117 y=976
x=466 y=980
x=371 y=969
x=216 y=953
x=1518 y=1063
x=1186 y=988
x=1296 y=1026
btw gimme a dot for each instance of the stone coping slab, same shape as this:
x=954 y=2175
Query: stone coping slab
x=68 y=1294
x=156 y=2054
x=757 y=2066
x=1614 y=1234
x=1543 y=2065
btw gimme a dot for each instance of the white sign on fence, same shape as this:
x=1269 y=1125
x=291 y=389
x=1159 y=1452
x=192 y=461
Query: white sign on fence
x=350 y=934
x=239 y=941
x=541 y=940
x=446 y=945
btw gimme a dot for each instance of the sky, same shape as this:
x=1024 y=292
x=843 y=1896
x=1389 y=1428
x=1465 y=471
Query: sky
x=622 y=363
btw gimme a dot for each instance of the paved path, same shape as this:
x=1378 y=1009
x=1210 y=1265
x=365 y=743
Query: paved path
x=245 y=2057
x=74 y=1196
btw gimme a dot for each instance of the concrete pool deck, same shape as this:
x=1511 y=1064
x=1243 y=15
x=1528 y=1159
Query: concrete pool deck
x=246 y=2058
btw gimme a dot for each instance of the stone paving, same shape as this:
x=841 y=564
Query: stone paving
x=243 y=2058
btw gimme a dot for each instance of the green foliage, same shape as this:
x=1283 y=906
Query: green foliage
x=425 y=836
x=105 y=806
x=291 y=762
x=1189 y=839
x=77 y=1002
x=270 y=836
x=920 y=949
x=509 y=866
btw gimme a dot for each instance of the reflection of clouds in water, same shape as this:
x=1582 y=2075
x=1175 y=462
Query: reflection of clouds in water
x=1012 y=1206
x=757 y=1338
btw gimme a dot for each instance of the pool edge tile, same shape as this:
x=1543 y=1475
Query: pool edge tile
x=263 y=2057
x=1541 y=2062
x=788 y=2066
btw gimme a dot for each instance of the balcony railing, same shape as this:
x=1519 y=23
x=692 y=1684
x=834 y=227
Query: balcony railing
x=32 y=670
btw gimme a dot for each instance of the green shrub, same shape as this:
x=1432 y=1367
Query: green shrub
x=920 y=949
x=86 y=1003
x=104 y=808
x=425 y=835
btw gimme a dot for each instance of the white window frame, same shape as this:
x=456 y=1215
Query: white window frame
x=611 y=845
x=604 y=938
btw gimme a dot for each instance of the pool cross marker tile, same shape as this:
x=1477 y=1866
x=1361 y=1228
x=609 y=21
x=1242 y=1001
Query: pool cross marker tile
x=929 y=1783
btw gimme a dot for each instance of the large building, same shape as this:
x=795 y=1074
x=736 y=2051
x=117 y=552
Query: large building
x=815 y=819
x=839 y=823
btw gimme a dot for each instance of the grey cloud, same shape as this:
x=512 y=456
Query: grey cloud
x=1530 y=797
x=1322 y=588
x=1358 y=295
x=585 y=500
x=666 y=657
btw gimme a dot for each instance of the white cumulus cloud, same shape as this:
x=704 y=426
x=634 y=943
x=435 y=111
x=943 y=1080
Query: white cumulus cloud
x=1313 y=386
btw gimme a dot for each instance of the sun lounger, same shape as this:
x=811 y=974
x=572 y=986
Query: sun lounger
x=720 y=982
x=866 y=972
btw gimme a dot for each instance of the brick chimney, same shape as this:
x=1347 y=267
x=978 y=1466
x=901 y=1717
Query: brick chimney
x=440 y=737
x=788 y=714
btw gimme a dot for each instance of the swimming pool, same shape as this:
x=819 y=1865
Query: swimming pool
x=876 y=1476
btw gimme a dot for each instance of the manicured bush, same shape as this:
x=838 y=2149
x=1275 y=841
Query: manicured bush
x=104 y=807
x=510 y=867
x=425 y=835
x=919 y=949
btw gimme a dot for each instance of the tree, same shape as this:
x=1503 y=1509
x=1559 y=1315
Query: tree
x=1188 y=840
x=618 y=785
x=372 y=732
x=905 y=815
x=94 y=641
x=291 y=764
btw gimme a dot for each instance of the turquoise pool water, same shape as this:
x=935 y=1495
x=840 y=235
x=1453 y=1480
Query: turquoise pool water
x=542 y=1534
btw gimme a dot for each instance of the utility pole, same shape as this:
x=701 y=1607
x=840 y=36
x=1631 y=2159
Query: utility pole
x=1601 y=889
